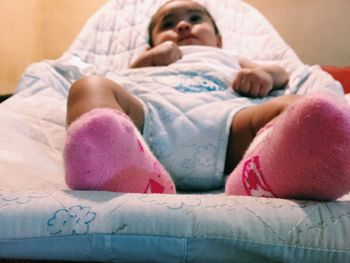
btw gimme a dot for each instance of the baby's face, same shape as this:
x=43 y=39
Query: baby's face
x=184 y=23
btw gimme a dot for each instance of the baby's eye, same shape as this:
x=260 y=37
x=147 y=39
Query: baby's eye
x=167 y=24
x=195 y=18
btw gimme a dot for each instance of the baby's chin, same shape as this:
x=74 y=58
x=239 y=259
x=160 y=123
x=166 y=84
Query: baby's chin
x=193 y=42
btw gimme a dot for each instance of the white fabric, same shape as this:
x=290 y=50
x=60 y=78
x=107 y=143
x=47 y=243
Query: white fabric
x=41 y=219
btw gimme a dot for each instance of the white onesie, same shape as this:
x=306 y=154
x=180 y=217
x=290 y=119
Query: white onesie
x=189 y=106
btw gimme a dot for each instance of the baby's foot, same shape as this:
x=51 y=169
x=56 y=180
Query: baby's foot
x=104 y=151
x=304 y=155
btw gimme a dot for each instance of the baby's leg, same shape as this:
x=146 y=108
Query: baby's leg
x=303 y=154
x=97 y=92
x=104 y=149
x=248 y=122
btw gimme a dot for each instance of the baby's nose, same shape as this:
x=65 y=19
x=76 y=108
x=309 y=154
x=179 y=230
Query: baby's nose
x=183 y=26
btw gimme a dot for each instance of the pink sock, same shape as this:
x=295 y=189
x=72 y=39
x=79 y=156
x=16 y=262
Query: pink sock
x=304 y=155
x=104 y=151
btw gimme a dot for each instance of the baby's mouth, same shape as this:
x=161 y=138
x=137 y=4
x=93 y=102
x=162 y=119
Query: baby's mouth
x=185 y=38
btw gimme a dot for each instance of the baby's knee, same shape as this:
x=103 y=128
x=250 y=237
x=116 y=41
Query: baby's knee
x=80 y=87
x=90 y=83
x=95 y=87
x=82 y=83
x=283 y=102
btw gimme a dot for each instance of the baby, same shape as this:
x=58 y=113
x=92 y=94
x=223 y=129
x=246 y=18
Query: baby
x=292 y=156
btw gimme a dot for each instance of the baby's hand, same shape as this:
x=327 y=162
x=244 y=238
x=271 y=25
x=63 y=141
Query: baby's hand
x=162 y=55
x=253 y=82
x=165 y=54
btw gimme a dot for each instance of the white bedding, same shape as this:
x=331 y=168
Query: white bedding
x=40 y=218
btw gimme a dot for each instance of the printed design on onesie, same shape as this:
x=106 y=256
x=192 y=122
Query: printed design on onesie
x=192 y=82
x=253 y=179
x=204 y=155
x=161 y=149
x=189 y=165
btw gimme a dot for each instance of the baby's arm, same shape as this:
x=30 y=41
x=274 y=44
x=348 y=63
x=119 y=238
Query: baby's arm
x=259 y=80
x=162 y=55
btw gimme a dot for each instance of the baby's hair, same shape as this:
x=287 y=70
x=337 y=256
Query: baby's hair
x=152 y=22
